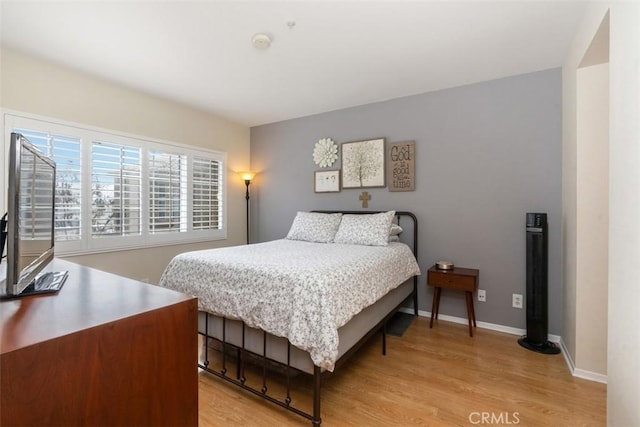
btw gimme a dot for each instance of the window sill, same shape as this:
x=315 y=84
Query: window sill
x=78 y=252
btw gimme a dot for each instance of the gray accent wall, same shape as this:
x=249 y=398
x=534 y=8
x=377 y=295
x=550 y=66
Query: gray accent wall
x=486 y=154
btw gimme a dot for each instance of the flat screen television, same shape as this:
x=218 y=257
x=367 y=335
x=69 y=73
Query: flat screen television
x=30 y=223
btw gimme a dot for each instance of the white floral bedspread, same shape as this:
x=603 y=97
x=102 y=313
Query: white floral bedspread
x=299 y=290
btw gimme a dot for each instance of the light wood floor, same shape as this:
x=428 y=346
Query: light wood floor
x=435 y=377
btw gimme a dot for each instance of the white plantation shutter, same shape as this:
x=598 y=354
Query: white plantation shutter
x=207 y=194
x=167 y=192
x=35 y=201
x=115 y=189
x=65 y=151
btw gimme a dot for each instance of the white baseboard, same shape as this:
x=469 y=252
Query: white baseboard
x=567 y=357
x=580 y=373
x=591 y=376
x=486 y=325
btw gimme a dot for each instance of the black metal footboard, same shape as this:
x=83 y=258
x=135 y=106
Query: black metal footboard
x=239 y=379
x=261 y=364
x=241 y=354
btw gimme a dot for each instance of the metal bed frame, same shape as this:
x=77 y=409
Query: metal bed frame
x=242 y=353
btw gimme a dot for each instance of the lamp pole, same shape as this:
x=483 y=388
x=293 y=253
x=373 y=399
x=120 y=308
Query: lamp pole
x=247 y=177
x=247 y=182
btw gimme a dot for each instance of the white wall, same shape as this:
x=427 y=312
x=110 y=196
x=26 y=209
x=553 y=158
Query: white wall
x=577 y=194
x=592 y=208
x=623 y=343
x=33 y=86
x=623 y=358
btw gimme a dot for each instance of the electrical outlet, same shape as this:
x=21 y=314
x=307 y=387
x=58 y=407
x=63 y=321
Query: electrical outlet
x=482 y=295
x=516 y=301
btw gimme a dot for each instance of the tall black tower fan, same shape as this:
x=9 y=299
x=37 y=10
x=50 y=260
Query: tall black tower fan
x=537 y=296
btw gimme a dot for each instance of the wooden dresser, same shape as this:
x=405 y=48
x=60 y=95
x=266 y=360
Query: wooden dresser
x=104 y=350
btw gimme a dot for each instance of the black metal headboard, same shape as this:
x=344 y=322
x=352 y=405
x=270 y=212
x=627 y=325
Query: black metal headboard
x=399 y=215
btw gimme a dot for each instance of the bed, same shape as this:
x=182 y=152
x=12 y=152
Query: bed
x=303 y=303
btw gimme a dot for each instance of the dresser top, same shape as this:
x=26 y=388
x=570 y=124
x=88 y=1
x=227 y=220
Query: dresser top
x=88 y=298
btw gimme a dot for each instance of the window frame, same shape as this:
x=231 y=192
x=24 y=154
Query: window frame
x=88 y=134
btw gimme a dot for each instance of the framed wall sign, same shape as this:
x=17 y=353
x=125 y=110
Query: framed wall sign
x=363 y=164
x=401 y=166
x=326 y=181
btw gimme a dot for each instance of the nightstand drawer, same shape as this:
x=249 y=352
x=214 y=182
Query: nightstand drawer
x=451 y=280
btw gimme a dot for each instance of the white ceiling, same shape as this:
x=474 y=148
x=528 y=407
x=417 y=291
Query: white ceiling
x=339 y=53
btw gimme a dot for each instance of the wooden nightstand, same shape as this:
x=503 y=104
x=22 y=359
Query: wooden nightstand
x=464 y=279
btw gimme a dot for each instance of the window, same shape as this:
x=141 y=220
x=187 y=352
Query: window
x=35 y=211
x=206 y=194
x=65 y=151
x=167 y=192
x=116 y=191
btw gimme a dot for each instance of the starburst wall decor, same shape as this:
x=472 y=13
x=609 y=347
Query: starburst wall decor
x=325 y=152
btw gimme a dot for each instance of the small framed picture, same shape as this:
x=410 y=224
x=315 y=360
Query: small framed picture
x=326 y=181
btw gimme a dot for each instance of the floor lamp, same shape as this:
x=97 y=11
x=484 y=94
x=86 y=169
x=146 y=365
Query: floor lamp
x=247 y=176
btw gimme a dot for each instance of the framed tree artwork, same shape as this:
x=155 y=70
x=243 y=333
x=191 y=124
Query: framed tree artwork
x=363 y=164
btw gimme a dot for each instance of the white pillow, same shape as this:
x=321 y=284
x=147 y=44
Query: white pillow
x=314 y=227
x=395 y=230
x=394 y=233
x=365 y=229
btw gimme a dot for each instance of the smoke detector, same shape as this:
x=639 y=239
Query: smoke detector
x=261 y=41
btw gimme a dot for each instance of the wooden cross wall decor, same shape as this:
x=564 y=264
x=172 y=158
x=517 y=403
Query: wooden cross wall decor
x=365 y=199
